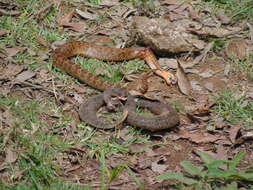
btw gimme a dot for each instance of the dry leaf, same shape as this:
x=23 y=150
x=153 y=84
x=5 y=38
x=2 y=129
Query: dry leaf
x=10 y=71
x=221 y=153
x=3 y=32
x=199 y=137
x=194 y=14
x=251 y=32
x=158 y=167
x=167 y=63
x=237 y=48
x=171 y=2
x=108 y=3
x=11 y=156
x=9 y=12
x=25 y=75
x=65 y=21
x=13 y=51
x=233 y=131
x=183 y=82
x=223 y=18
x=217 y=31
x=207 y=73
x=86 y=15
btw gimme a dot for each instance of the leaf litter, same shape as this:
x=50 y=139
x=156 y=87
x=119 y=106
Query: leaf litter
x=199 y=127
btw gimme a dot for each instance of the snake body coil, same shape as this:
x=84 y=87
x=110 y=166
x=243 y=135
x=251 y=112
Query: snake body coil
x=166 y=117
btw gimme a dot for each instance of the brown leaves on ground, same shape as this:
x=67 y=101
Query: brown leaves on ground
x=183 y=81
x=201 y=71
x=9 y=8
x=237 y=48
x=66 y=22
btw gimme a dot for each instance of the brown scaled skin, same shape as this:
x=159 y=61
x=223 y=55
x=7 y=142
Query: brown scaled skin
x=61 y=59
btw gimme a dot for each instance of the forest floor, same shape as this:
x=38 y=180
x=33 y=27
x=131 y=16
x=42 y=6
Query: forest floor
x=43 y=143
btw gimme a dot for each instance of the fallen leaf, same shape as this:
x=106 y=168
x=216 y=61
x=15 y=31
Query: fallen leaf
x=42 y=41
x=207 y=73
x=65 y=21
x=31 y=52
x=194 y=14
x=57 y=44
x=3 y=32
x=13 y=51
x=221 y=153
x=25 y=75
x=80 y=89
x=223 y=18
x=11 y=156
x=247 y=135
x=209 y=86
x=195 y=118
x=237 y=48
x=9 y=12
x=183 y=82
x=233 y=131
x=151 y=153
x=196 y=86
x=137 y=148
x=202 y=56
x=251 y=32
x=171 y=2
x=213 y=83
x=43 y=55
x=168 y=63
x=125 y=134
x=86 y=15
x=78 y=27
x=227 y=69
x=109 y=3
x=217 y=31
x=10 y=71
x=199 y=137
x=219 y=123
x=159 y=168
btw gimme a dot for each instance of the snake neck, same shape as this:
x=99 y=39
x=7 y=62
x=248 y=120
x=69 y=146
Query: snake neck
x=61 y=59
x=76 y=70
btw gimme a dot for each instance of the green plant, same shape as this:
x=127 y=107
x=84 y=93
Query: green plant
x=94 y=1
x=237 y=9
x=234 y=108
x=210 y=175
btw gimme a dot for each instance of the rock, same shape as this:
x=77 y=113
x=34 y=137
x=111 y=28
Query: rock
x=163 y=36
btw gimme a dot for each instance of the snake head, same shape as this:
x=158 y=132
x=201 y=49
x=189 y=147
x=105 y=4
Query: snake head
x=114 y=96
x=169 y=77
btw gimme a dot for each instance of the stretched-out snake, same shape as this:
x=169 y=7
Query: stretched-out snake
x=166 y=116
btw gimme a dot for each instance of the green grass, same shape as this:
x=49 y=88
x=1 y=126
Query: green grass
x=113 y=72
x=36 y=150
x=234 y=107
x=38 y=142
x=236 y=9
x=245 y=66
